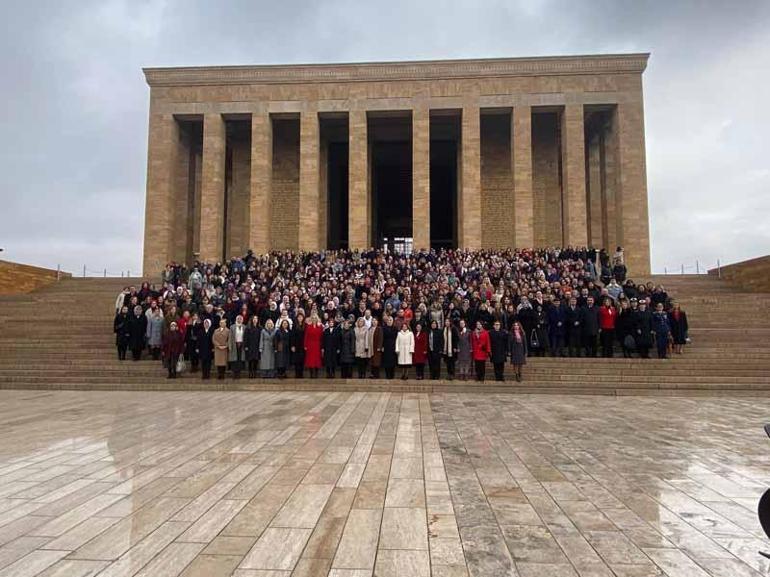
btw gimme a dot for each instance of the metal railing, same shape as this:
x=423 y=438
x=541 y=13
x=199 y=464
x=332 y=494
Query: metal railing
x=697 y=268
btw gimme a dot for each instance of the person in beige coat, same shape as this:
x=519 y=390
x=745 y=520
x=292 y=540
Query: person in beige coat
x=364 y=347
x=221 y=340
x=404 y=349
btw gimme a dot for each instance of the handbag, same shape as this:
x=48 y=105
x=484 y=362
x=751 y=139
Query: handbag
x=180 y=365
x=534 y=340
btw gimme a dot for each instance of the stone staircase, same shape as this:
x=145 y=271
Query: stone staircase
x=60 y=337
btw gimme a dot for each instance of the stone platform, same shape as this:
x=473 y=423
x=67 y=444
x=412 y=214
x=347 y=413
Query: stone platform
x=358 y=484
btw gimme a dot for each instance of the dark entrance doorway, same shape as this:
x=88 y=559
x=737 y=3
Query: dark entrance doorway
x=391 y=182
x=444 y=137
x=334 y=175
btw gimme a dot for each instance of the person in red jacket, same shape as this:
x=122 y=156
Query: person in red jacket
x=312 y=341
x=420 y=356
x=172 y=347
x=481 y=348
x=608 y=314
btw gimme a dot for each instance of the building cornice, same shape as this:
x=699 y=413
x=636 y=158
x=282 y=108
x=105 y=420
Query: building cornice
x=398 y=71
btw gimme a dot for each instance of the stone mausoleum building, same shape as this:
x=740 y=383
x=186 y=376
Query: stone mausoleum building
x=511 y=152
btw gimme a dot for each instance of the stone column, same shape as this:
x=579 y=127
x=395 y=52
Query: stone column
x=632 y=187
x=421 y=178
x=162 y=159
x=213 y=188
x=359 y=228
x=595 y=193
x=309 y=144
x=261 y=182
x=574 y=225
x=523 y=198
x=470 y=197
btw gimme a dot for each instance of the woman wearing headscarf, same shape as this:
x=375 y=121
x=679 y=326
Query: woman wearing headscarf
x=313 y=337
x=267 y=350
x=221 y=341
x=173 y=347
x=251 y=345
x=518 y=349
x=363 y=338
x=435 y=349
x=122 y=330
x=205 y=348
x=464 y=351
x=237 y=346
x=405 y=348
x=282 y=343
x=137 y=329
x=298 y=346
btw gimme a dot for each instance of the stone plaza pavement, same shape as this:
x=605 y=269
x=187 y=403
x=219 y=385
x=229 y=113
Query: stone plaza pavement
x=358 y=484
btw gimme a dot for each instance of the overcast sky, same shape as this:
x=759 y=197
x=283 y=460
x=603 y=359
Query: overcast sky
x=74 y=115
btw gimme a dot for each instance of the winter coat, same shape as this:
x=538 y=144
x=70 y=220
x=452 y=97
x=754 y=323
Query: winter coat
x=363 y=338
x=173 y=344
x=678 y=327
x=590 y=316
x=389 y=356
x=608 y=317
x=155 y=331
x=498 y=345
x=624 y=325
x=517 y=349
x=298 y=344
x=313 y=337
x=233 y=346
x=137 y=329
x=480 y=345
x=574 y=319
x=221 y=342
x=205 y=344
x=660 y=324
x=436 y=343
x=282 y=346
x=347 y=347
x=643 y=328
x=267 y=350
x=376 y=336
x=331 y=343
x=450 y=342
x=420 y=349
x=405 y=347
x=557 y=321
x=464 y=349
x=122 y=330
x=251 y=342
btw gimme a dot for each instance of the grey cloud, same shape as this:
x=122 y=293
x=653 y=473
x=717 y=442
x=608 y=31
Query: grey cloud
x=72 y=160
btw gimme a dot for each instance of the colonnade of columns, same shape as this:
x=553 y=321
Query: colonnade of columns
x=579 y=201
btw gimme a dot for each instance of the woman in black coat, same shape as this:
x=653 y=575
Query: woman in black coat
x=677 y=319
x=435 y=348
x=498 y=349
x=137 y=328
x=624 y=329
x=122 y=332
x=191 y=343
x=282 y=344
x=205 y=348
x=389 y=357
x=330 y=345
x=298 y=346
x=643 y=330
x=251 y=345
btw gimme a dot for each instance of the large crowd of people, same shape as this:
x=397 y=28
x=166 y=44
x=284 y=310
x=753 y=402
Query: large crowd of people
x=379 y=314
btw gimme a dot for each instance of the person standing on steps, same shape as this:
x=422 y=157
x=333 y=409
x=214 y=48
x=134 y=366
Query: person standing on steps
x=347 y=349
x=221 y=341
x=298 y=346
x=237 y=354
x=363 y=338
x=451 y=343
x=464 y=351
x=518 y=349
x=267 y=350
x=405 y=347
x=608 y=315
x=122 y=330
x=137 y=329
x=205 y=348
x=481 y=349
x=251 y=344
x=435 y=349
x=155 y=333
x=330 y=348
x=677 y=320
x=377 y=348
x=590 y=324
x=389 y=355
x=420 y=350
x=642 y=327
x=173 y=347
x=498 y=350
x=662 y=330
x=574 y=320
x=312 y=342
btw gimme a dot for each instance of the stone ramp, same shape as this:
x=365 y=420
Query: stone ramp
x=60 y=337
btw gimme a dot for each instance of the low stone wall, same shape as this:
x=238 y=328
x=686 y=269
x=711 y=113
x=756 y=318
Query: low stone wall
x=18 y=278
x=752 y=275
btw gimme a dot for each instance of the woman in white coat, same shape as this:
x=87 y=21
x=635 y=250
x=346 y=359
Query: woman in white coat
x=404 y=349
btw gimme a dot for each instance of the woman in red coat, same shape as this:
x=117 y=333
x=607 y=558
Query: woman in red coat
x=420 y=356
x=313 y=336
x=481 y=347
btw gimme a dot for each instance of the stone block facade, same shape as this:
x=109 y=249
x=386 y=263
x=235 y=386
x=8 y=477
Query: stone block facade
x=550 y=152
